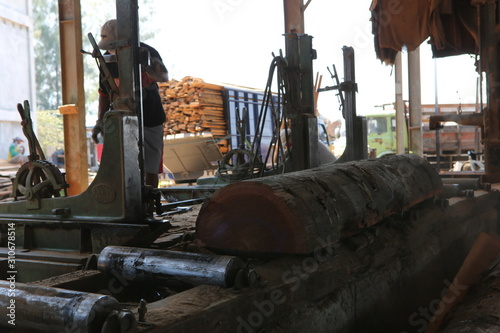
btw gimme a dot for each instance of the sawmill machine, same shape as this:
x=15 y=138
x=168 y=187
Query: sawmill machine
x=89 y=248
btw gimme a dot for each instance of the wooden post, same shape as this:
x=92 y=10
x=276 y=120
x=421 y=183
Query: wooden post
x=294 y=16
x=75 y=136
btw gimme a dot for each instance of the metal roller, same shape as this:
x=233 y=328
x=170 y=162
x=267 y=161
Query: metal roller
x=47 y=309
x=136 y=264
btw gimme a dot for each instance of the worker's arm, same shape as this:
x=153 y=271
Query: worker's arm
x=103 y=107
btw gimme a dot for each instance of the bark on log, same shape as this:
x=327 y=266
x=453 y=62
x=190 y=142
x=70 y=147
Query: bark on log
x=296 y=212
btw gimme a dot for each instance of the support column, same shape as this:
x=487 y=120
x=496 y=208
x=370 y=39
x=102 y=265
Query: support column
x=399 y=106
x=73 y=96
x=491 y=113
x=415 y=100
x=300 y=99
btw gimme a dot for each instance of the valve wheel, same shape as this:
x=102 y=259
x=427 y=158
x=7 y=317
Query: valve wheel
x=38 y=179
x=237 y=164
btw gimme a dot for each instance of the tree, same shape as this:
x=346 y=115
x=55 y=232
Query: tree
x=47 y=55
x=50 y=131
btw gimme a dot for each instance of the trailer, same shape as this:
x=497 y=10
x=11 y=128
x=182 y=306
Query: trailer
x=207 y=121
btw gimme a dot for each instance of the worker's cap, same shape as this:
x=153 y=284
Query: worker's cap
x=108 y=35
x=18 y=139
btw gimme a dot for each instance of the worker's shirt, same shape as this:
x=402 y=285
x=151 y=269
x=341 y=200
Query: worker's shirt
x=13 y=150
x=152 y=108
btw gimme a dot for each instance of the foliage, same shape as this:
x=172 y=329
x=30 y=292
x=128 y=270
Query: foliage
x=50 y=131
x=47 y=54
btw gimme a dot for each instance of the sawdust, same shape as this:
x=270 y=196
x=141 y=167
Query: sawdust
x=65 y=278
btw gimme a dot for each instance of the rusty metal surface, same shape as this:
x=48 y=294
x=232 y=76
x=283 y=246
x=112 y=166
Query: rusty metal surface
x=288 y=213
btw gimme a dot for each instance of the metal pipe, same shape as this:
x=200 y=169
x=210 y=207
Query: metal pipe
x=400 y=106
x=47 y=309
x=136 y=264
x=415 y=101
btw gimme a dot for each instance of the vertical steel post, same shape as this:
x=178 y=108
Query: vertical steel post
x=130 y=99
x=310 y=121
x=400 y=106
x=75 y=137
x=356 y=142
x=436 y=112
x=490 y=58
x=415 y=101
x=300 y=108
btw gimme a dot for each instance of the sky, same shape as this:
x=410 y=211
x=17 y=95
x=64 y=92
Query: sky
x=232 y=42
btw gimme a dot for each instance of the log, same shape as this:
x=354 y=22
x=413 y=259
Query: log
x=289 y=213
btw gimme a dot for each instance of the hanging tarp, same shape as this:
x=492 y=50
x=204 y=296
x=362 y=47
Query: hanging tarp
x=405 y=24
x=398 y=24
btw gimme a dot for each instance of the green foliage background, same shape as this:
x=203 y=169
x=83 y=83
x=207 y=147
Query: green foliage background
x=50 y=129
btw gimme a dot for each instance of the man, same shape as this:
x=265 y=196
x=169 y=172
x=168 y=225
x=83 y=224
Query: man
x=153 y=113
x=16 y=152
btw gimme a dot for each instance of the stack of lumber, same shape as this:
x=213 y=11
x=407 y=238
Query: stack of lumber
x=5 y=188
x=194 y=106
x=7 y=172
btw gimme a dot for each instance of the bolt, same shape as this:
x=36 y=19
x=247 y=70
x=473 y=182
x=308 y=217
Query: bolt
x=142 y=309
x=252 y=277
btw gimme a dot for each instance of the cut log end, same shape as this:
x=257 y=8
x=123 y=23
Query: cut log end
x=247 y=217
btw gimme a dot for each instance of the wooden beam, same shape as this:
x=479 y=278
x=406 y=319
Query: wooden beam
x=75 y=136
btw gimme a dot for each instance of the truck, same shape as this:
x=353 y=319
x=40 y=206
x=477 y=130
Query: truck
x=449 y=144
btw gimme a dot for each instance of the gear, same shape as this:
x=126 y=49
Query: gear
x=38 y=179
